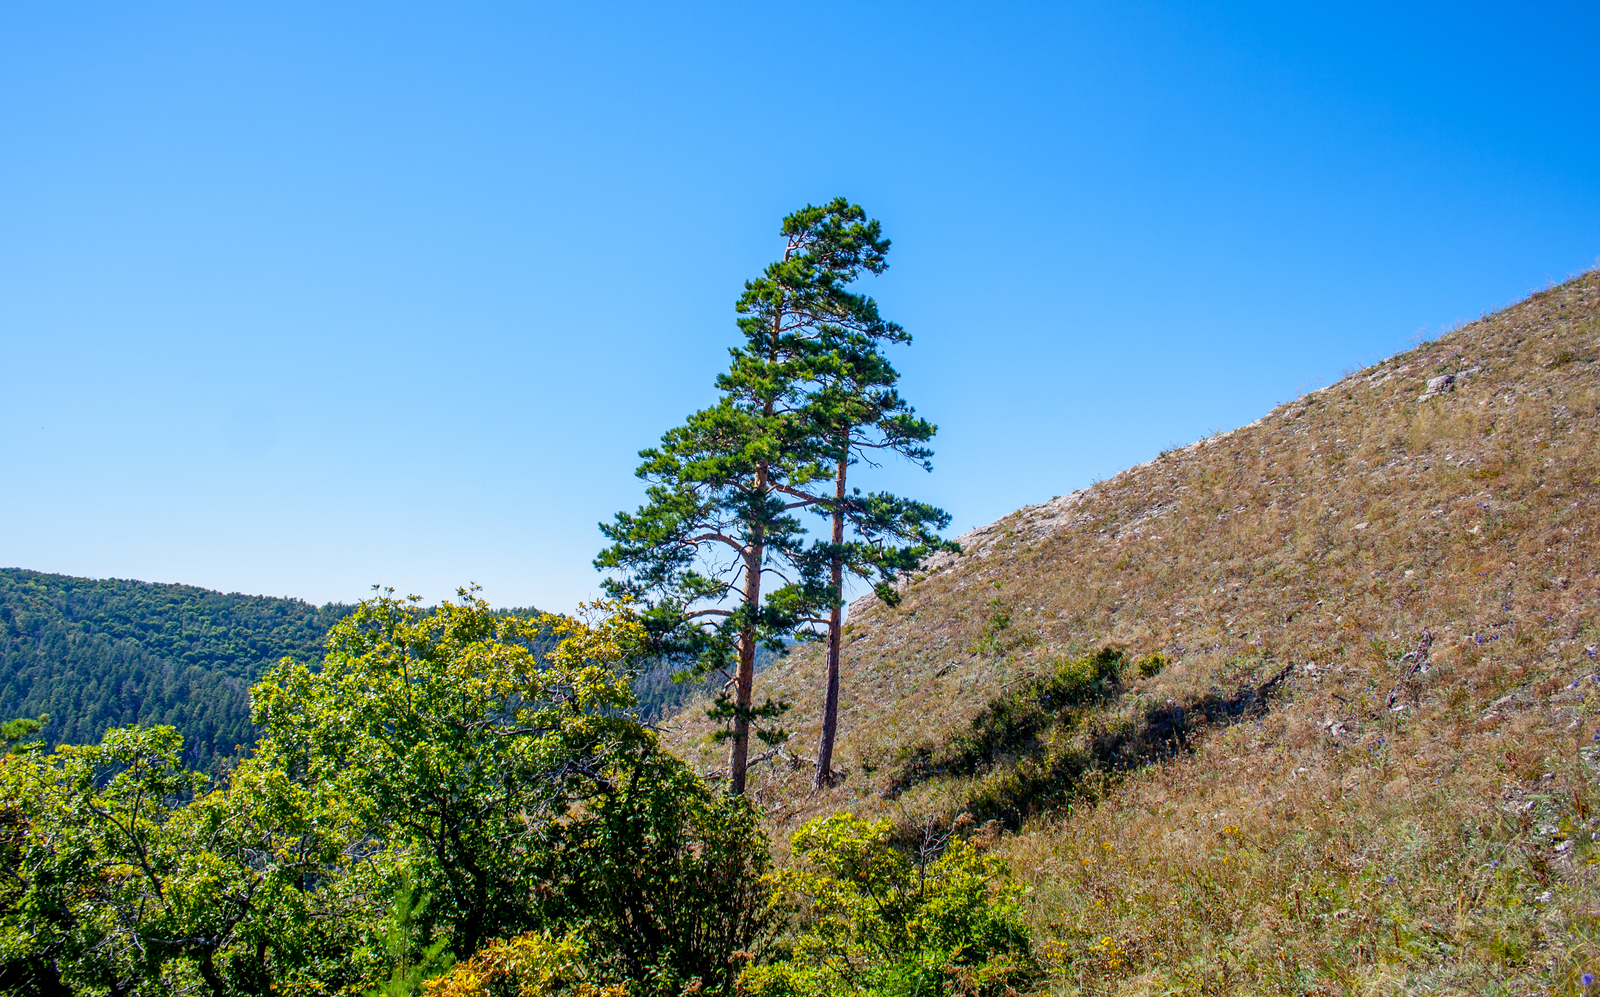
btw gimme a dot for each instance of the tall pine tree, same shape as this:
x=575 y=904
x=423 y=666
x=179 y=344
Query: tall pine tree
x=715 y=523
x=806 y=395
x=858 y=416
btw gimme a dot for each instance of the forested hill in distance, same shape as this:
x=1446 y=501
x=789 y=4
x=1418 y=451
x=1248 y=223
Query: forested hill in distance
x=100 y=653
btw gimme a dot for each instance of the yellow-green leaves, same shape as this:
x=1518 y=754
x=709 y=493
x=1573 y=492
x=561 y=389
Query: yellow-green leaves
x=876 y=919
x=461 y=736
x=535 y=964
x=480 y=765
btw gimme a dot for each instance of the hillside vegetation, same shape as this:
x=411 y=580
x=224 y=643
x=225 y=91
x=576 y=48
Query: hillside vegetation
x=101 y=653
x=1342 y=740
x=95 y=654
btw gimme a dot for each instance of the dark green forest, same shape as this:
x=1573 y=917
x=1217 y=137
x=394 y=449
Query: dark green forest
x=664 y=687
x=94 y=654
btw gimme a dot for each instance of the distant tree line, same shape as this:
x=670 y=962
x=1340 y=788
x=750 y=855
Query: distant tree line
x=93 y=654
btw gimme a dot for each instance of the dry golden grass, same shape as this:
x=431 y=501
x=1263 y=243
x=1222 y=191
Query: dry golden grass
x=1333 y=845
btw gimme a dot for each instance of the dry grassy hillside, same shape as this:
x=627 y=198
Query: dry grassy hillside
x=1266 y=794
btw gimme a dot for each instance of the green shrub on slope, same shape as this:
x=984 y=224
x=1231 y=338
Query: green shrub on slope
x=874 y=922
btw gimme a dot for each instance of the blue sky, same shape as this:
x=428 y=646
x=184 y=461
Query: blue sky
x=297 y=298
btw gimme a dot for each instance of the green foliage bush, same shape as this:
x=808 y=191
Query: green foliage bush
x=663 y=877
x=436 y=783
x=1058 y=737
x=535 y=964
x=872 y=921
x=412 y=956
x=1151 y=666
x=114 y=884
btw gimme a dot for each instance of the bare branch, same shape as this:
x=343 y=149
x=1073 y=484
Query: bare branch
x=809 y=498
x=722 y=537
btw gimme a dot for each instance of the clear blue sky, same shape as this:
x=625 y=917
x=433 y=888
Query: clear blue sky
x=296 y=298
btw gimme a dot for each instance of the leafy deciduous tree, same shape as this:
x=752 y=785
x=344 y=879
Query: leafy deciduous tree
x=519 y=786
x=119 y=880
x=448 y=732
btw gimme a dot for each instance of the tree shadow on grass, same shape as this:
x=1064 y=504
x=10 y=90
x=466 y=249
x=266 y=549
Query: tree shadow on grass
x=1033 y=750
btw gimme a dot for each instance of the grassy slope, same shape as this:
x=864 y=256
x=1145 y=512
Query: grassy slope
x=1320 y=841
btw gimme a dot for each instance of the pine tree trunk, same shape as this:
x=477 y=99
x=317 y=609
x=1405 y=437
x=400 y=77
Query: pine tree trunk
x=755 y=554
x=739 y=748
x=744 y=680
x=830 y=697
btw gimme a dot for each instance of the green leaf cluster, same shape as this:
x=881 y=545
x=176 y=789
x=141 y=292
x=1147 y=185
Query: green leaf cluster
x=872 y=920
x=124 y=875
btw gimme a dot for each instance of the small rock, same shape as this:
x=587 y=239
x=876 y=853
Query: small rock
x=1438 y=386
